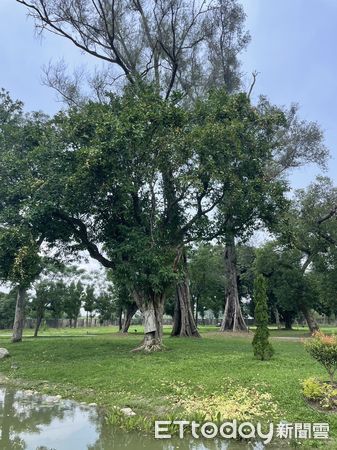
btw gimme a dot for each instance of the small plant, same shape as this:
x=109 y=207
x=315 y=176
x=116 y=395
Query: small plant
x=322 y=392
x=313 y=389
x=323 y=348
x=262 y=347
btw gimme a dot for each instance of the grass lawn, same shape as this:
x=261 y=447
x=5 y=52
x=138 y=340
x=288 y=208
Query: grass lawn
x=99 y=367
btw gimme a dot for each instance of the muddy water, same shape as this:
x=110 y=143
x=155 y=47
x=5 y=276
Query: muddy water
x=29 y=421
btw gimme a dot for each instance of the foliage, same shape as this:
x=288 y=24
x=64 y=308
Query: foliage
x=324 y=393
x=7 y=309
x=207 y=278
x=236 y=402
x=323 y=349
x=89 y=299
x=122 y=160
x=313 y=389
x=287 y=287
x=105 y=306
x=73 y=300
x=262 y=347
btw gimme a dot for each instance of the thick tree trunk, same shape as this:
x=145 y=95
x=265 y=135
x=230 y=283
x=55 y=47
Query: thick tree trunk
x=183 y=321
x=19 y=319
x=131 y=310
x=309 y=317
x=38 y=324
x=233 y=319
x=152 y=307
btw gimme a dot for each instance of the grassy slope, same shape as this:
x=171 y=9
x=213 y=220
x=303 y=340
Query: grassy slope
x=101 y=369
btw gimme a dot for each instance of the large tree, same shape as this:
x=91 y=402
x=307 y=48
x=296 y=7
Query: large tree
x=177 y=45
x=295 y=143
x=106 y=186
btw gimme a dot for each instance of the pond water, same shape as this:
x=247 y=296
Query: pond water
x=29 y=421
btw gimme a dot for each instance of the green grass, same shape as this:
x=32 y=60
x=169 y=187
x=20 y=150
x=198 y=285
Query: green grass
x=100 y=368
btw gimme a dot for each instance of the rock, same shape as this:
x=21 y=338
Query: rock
x=92 y=404
x=29 y=393
x=127 y=412
x=3 y=353
x=53 y=398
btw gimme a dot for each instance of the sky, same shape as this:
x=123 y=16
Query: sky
x=293 y=48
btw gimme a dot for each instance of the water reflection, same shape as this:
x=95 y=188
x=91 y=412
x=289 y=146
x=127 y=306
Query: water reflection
x=33 y=422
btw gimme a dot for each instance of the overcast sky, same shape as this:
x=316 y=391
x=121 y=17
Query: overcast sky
x=293 y=48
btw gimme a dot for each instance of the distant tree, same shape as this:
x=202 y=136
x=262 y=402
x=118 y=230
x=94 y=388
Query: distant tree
x=262 y=348
x=105 y=306
x=310 y=229
x=39 y=304
x=49 y=299
x=73 y=301
x=89 y=301
x=207 y=278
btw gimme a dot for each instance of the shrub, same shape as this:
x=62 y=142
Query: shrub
x=323 y=348
x=316 y=390
x=313 y=389
x=262 y=348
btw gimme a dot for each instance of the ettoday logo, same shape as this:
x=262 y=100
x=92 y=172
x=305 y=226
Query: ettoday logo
x=245 y=430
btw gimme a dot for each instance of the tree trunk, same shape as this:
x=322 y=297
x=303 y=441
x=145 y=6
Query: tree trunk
x=309 y=317
x=19 y=319
x=277 y=317
x=196 y=311
x=152 y=308
x=38 y=324
x=183 y=321
x=120 y=320
x=131 y=310
x=233 y=319
x=288 y=321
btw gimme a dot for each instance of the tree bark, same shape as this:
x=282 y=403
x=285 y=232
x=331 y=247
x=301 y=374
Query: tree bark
x=233 y=319
x=131 y=310
x=19 y=319
x=152 y=308
x=183 y=321
x=38 y=324
x=309 y=317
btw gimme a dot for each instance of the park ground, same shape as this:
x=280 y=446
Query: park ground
x=190 y=377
